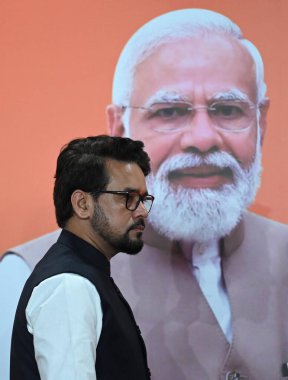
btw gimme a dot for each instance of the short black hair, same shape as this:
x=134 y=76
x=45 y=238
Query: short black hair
x=81 y=164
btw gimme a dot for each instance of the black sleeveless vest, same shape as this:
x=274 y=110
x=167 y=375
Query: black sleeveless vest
x=120 y=353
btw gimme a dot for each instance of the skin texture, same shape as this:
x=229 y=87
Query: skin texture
x=198 y=69
x=118 y=221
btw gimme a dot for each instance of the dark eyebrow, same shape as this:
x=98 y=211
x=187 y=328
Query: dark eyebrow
x=130 y=189
x=134 y=190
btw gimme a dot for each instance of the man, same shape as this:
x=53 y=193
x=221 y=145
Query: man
x=193 y=90
x=72 y=322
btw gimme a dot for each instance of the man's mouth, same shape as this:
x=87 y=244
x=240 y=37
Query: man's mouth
x=138 y=226
x=205 y=176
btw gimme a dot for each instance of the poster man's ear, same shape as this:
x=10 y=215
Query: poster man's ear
x=114 y=120
x=263 y=117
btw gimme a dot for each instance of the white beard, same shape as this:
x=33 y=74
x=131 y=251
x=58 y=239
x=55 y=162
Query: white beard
x=202 y=215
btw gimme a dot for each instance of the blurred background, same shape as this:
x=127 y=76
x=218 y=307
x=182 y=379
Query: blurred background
x=57 y=59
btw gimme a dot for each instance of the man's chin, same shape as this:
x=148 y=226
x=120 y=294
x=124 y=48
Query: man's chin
x=202 y=234
x=200 y=216
x=133 y=247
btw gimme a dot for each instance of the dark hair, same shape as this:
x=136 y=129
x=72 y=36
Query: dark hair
x=81 y=164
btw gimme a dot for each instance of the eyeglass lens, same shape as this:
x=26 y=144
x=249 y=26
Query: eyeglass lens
x=133 y=201
x=229 y=115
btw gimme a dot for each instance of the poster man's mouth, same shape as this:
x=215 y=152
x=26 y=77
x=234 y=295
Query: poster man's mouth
x=205 y=176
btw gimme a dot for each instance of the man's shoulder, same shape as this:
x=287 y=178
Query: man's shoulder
x=261 y=224
x=261 y=234
x=33 y=250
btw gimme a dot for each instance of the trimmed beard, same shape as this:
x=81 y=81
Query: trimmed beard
x=121 y=243
x=202 y=215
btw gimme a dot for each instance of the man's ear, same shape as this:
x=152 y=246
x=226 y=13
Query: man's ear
x=263 y=117
x=81 y=204
x=114 y=120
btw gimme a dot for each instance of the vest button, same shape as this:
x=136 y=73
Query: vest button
x=233 y=375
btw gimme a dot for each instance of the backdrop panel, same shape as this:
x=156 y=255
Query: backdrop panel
x=56 y=68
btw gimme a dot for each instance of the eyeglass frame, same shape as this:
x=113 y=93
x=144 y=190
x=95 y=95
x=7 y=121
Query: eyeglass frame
x=128 y=193
x=191 y=107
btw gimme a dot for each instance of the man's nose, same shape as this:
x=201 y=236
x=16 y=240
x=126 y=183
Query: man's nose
x=200 y=134
x=140 y=211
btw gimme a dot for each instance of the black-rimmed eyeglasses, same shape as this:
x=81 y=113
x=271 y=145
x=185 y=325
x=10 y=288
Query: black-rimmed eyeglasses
x=133 y=199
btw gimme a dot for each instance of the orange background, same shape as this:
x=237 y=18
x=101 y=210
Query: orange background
x=57 y=59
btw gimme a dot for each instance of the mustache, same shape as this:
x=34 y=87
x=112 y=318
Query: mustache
x=221 y=160
x=139 y=223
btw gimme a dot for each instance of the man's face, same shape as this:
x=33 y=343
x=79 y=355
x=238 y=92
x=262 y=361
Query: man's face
x=201 y=173
x=119 y=227
x=198 y=70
